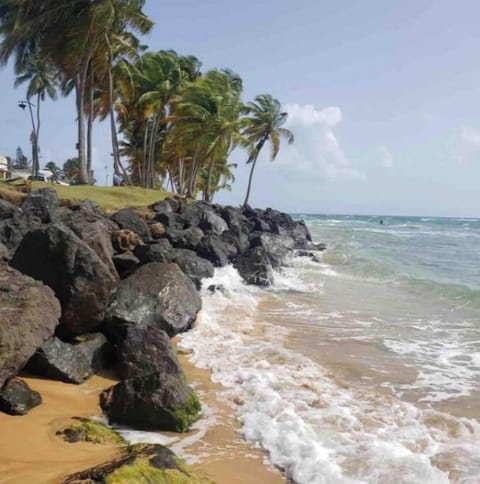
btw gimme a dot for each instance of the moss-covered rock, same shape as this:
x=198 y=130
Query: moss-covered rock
x=87 y=430
x=141 y=464
x=158 y=401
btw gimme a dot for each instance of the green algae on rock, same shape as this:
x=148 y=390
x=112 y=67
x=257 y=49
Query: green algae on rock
x=142 y=464
x=87 y=430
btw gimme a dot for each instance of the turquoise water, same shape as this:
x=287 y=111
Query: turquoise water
x=362 y=366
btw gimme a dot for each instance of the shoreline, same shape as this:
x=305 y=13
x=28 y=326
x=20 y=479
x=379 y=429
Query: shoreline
x=31 y=452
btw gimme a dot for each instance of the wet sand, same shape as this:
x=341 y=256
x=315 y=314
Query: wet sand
x=227 y=457
x=30 y=452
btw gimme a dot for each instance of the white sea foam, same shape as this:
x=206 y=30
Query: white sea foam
x=315 y=429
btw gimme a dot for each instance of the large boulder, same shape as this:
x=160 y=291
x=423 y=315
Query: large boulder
x=211 y=223
x=185 y=239
x=255 y=268
x=170 y=220
x=8 y=210
x=277 y=247
x=158 y=252
x=125 y=263
x=216 y=250
x=237 y=239
x=195 y=267
x=29 y=314
x=127 y=219
x=95 y=229
x=158 y=294
x=16 y=398
x=158 y=401
x=235 y=219
x=96 y=349
x=167 y=205
x=60 y=361
x=81 y=280
x=12 y=230
x=143 y=350
x=41 y=203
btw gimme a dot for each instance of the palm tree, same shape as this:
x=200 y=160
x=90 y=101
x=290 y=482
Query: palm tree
x=68 y=35
x=264 y=123
x=43 y=81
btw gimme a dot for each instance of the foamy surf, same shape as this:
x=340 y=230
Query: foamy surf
x=310 y=424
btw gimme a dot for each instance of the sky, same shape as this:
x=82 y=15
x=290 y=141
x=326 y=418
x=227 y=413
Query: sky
x=383 y=98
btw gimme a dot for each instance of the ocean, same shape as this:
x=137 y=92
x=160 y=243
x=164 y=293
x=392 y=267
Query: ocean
x=362 y=366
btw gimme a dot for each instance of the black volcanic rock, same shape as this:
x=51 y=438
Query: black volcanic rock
x=157 y=294
x=16 y=397
x=79 y=278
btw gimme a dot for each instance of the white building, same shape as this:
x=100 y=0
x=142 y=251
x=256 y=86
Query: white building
x=4 y=172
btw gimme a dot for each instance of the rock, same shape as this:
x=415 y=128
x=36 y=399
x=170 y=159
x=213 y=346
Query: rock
x=4 y=254
x=95 y=229
x=13 y=230
x=29 y=314
x=216 y=250
x=195 y=267
x=237 y=222
x=168 y=205
x=157 y=401
x=127 y=219
x=41 y=203
x=87 y=430
x=300 y=234
x=125 y=263
x=60 y=361
x=96 y=349
x=143 y=350
x=125 y=240
x=158 y=252
x=255 y=268
x=237 y=239
x=157 y=294
x=277 y=247
x=80 y=279
x=157 y=230
x=211 y=223
x=8 y=210
x=140 y=464
x=16 y=398
x=170 y=220
x=185 y=239
x=213 y=288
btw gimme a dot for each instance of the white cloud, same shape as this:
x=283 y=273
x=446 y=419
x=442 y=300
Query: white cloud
x=317 y=150
x=386 y=156
x=468 y=146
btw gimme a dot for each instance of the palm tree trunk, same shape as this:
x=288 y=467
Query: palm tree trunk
x=209 y=178
x=254 y=162
x=151 y=161
x=37 y=134
x=258 y=148
x=80 y=93
x=33 y=140
x=90 y=127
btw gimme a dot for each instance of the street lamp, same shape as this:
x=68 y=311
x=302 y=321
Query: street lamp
x=35 y=162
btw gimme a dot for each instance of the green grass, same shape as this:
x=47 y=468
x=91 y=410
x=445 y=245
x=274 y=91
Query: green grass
x=108 y=198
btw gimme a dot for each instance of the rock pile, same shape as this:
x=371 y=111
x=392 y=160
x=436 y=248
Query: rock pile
x=81 y=290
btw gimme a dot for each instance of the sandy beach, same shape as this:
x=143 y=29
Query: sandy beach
x=31 y=452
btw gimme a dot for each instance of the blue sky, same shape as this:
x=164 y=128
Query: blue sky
x=383 y=96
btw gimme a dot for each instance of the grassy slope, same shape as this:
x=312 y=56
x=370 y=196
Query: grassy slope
x=109 y=198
